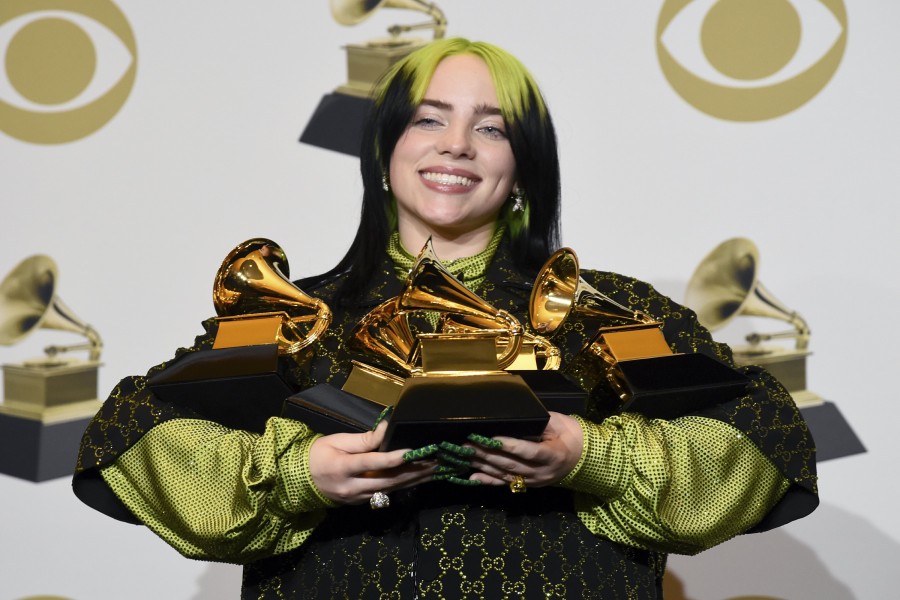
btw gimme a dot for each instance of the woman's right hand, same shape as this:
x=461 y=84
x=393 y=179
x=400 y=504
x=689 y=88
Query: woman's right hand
x=348 y=468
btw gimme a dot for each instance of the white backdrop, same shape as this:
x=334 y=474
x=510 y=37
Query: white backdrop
x=204 y=154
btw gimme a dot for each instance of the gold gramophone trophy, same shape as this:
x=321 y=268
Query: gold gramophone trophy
x=337 y=123
x=725 y=285
x=451 y=383
x=631 y=355
x=48 y=400
x=367 y=62
x=241 y=382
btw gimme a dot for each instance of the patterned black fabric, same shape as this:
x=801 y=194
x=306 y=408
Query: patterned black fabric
x=445 y=541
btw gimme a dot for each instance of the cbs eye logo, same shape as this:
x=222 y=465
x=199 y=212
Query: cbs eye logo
x=67 y=68
x=750 y=60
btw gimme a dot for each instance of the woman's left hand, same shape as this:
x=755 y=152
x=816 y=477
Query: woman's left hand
x=541 y=463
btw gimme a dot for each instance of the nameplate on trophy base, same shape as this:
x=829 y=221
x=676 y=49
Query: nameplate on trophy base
x=374 y=384
x=436 y=408
x=238 y=387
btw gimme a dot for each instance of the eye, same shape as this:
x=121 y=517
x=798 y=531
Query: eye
x=66 y=73
x=750 y=59
x=426 y=122
x=493 y=132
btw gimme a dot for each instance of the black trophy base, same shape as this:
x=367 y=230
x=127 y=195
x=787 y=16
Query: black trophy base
x=556 y=391
x=434 y=409
x=36 y=451
x=326 y=410
x=665 y=387
x=337 y=123
x=236 y=387
x=831 y=432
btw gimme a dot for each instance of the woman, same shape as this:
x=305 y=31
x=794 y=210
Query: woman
x=460 y=149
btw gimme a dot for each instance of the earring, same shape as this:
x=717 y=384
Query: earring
x=385 y=184
x=518 y=198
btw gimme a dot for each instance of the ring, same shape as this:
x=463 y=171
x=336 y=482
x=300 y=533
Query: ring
x=517 y=485
x=380 y=500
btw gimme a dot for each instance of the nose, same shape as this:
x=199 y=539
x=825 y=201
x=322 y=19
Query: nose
x=456 y=141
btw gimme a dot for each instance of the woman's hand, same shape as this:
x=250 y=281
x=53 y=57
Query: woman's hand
x=541 y=463
x=347 y=467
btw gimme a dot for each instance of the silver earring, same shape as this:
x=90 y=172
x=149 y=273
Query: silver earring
x=385 y=184
x=518 y=197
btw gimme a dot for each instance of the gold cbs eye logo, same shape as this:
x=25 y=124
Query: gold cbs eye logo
x=68 y=67
x=750 y=60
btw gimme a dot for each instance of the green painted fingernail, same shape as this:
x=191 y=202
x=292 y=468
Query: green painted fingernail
x=485 y=441
x=457 y=449
x=453 y=459
x=420 y=453
x=381 y=417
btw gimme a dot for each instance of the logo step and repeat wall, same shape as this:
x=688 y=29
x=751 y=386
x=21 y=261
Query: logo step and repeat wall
x=69 y=67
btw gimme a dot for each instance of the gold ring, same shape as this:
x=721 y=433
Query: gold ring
x=517 y=485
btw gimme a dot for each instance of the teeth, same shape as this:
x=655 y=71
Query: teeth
x=446 y=179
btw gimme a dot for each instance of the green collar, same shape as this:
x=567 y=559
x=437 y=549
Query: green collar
x=469 y=269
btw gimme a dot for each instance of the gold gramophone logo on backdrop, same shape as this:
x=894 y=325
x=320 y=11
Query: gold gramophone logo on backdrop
x=68 y=67
x=47 y=401
x=750 y=60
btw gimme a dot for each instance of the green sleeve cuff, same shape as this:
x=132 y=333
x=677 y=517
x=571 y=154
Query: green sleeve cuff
x=602 y=470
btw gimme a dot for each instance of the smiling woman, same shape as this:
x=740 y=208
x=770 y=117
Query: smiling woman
x=460 y=148
x=453 y=168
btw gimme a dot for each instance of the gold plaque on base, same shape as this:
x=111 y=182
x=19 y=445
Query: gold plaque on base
x=50 y=391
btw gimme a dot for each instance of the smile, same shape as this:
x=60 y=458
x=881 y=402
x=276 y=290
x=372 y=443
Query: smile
x=447 y=179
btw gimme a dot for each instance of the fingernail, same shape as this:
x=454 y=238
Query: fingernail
x=381 y=417
x=420 y=453
x=485 y=441
x=457 y=449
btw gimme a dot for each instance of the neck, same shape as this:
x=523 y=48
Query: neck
x=448 y=245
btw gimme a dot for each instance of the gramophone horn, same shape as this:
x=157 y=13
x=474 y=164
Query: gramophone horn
x=725 y=285
x=384 y=332
x=351 y=12
x=28 y=301
x=254 y=279
x=559 y=290
x=430 y=286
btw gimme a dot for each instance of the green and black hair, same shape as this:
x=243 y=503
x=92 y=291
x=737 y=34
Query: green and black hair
x=534 y=233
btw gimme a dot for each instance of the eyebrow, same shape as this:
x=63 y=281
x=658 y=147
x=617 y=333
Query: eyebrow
x=481 y=109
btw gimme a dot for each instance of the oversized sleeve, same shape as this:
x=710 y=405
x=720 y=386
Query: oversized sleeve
x=211 y=492
x=686 y=484
x=215 y=493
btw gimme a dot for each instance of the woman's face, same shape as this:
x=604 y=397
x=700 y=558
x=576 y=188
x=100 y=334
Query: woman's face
x=453 y=168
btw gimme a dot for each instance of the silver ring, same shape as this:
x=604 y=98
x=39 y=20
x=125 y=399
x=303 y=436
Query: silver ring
x=379 y=500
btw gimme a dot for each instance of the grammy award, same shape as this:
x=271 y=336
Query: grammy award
x=338 y=120
x=262 y=317
x=451 y=383
x=47 y=401
x=724 y=286
x=629 y=352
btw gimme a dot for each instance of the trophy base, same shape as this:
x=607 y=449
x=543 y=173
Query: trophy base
x=665 y=387
x=438 y=408
x=37 y=451
x=327 y=410
x=236 y=387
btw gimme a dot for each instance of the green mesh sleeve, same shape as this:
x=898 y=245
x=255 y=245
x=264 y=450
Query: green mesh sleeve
x=215 y=493
x=672 y=486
